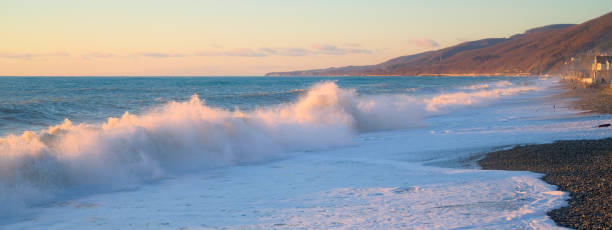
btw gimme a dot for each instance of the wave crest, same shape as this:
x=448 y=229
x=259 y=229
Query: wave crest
x=186 y=136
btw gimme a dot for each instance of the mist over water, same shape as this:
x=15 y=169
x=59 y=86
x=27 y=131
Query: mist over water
x=167 y=137
x=37 y=103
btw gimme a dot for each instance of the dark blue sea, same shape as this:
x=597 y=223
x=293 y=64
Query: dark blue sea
x=34 y=103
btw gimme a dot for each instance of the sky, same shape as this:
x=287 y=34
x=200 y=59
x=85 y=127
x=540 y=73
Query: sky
x=240 y=38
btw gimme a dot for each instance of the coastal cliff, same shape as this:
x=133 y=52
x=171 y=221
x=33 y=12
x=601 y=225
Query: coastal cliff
x=542 y=50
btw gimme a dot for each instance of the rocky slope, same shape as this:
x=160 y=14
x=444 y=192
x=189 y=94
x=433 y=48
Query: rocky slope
x=542 y=50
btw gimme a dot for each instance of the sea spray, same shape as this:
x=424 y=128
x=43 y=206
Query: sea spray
x=188 y=136
x=450 y=100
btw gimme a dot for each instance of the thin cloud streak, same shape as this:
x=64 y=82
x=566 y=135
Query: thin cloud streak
x=335 y=50
x=30 y=56
x=291 y=52
x=160 y=55
x=318 y=49
x=244 y=52
x=426 y=43
x=324 y=49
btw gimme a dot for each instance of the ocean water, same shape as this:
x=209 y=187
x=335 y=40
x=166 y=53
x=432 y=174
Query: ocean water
x=284 y=153
x=34 y=103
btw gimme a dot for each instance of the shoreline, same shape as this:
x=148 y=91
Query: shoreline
x=589 y=99
x=580 y=167
x=583 y=168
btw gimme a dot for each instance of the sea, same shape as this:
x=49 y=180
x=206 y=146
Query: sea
x=278 y=152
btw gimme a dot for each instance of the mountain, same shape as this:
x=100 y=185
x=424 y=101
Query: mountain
x=542 y=50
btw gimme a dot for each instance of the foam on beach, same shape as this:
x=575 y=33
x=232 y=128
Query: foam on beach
x=330 y=125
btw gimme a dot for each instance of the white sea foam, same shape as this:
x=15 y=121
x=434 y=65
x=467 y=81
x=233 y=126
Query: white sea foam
x=191 y=136
x=497 y=84
x=483 y=93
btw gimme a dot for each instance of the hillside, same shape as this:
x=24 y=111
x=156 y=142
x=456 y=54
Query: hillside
x=541 y=50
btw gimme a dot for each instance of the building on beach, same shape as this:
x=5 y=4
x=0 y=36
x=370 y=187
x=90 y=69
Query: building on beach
x=578 y=70
x=591 y=70
x=601 y=70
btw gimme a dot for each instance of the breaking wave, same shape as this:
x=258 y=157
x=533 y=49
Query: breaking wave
x=37 y=167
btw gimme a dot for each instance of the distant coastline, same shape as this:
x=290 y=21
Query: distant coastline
x=427 y=75
x=540 y=51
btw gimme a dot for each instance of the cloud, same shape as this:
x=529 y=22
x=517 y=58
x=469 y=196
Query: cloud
x=335 y=50
x=292 y=52
x=243 y=52
x=324 y=49
x=426 y=43
x=319 y=49
x=29 y=56
x=160 y=55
